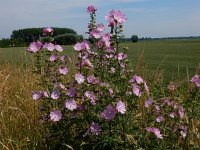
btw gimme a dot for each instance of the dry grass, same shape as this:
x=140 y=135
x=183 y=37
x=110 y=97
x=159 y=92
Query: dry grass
x=19 y=118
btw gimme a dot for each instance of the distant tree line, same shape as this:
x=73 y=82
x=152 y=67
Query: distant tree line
x=22 y=37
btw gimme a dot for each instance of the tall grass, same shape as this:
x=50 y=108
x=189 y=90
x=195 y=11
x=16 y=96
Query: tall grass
x=19 y=118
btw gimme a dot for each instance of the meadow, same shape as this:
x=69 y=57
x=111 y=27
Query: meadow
x=19 y=118
x=174 y=58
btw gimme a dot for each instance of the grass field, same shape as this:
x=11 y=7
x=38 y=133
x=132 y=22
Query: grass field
x=175 y=58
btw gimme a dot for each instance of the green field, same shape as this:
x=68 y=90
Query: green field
x=175 y=58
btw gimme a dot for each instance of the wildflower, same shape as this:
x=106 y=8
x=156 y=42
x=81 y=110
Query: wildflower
x=110 y=91
x=148 y=102
x=122 y=56
x=55 y=115
x=109 y=113
x=45 y=93
x=160 y=119
x=37 y=95
x=47 y=30
x=71 y=92
x=113 y=70
x=194 y=78
x=79 y=78
x=80 y=46
x=49 y=46
x=92 y=80
x=63 y=70
x=71 y=104
x=100 y=27
x=183 y=131
x=136 y=90
x=121 y=107
x=172 y=114
x=181 y=111
x=157 y=108
x=35 y=47
x=95 y=128
x=87 y=63
x=53 y=57
x=91 y=9
x=136 y=79
x=156 y=131
x=91 y=96
x=58 y=48
x=115 y=17
x=96 y=34
x=55 y=94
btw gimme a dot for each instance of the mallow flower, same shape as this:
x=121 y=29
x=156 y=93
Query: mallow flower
x=121 y=107
x=55 y=115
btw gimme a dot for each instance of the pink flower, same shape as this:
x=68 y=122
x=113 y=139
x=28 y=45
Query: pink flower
x=91 y=9
x=148 y=102
x=100 y=27
x=79 y=78
x=194 y=78
x=87 y=63
x=71 y=104
x=121 y=107
x=160 y=119
x=71 y=92
x=63 y=70
x=96 y=34
x=115 y=17
x=49 y=46
x=157 y=108
x=136 y=79
x=47 y=30
x=91 y=96
x=156 y=131
x=53 y=57
x=93 y=80
x=55 y=94
x=172 y=114
x=181 y=112
x=122 y=56
x=37 y=95
x=136 y=90
x=109 y=113
x=58 y=48
x=95 y=128
x=35 y=47
x=80 y=46
x=55 y=115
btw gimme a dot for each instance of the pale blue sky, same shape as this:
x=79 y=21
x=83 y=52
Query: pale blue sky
x=146 y=18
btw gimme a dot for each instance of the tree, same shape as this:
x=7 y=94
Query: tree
x=134 y=38
x=33 y=34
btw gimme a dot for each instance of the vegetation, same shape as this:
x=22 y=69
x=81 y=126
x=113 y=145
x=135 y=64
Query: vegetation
x=134 y=38
x=99 y=101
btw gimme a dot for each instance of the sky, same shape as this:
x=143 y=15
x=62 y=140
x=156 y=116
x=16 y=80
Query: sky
x=145 y=18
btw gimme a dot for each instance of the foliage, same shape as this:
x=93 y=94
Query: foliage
x=33 y=34
x=134 y=38
x=67 y=39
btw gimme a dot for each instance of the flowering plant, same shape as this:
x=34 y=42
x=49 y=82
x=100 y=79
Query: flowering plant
x=94 y=107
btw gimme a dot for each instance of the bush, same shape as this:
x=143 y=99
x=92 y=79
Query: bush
x=134 y=38
x=67 y=39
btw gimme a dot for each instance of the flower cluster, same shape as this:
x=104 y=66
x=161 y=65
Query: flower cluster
x=167 y=112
